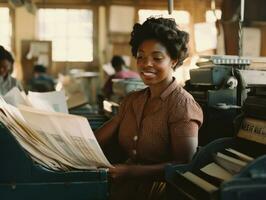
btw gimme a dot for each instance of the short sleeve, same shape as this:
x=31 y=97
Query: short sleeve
x=185 y=118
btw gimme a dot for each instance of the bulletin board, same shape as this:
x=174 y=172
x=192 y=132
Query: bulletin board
x=35 y=52
x=117 y=22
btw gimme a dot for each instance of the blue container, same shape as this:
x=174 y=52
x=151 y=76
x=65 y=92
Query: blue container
x=22 y=178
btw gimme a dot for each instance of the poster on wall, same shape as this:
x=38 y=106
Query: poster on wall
x=118 y=23
x=251 y=42
x=205 y=36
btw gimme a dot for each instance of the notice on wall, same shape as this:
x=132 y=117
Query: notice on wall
x=205 y=36
x=119 y=23
x=251 y=42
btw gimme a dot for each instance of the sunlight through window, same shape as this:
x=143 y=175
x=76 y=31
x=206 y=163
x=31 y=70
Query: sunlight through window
x=71 y=33
x=5 y=28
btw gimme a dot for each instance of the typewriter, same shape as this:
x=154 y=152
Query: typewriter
x=249 y=183
x=220 y=85
x=208 y=85
x=21 y=178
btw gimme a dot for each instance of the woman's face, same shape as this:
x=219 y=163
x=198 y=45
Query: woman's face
x=154 y=63
x=5 y=65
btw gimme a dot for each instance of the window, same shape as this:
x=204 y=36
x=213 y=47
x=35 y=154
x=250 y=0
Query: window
x=206 y=33
x=181 y=17
x=5 y=28
x=71 y=33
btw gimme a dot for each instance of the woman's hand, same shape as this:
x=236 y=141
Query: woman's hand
x=137 y=171
x=120 y=171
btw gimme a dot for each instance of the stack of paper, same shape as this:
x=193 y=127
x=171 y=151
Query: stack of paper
x=227 y=164
x=58 y=141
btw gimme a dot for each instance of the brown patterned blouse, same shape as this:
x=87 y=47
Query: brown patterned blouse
x=147 y=140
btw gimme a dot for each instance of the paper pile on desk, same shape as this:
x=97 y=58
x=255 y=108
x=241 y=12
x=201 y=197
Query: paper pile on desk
x=58 y=141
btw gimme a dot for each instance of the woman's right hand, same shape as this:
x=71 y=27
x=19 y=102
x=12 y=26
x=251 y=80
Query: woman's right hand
x=120 y=171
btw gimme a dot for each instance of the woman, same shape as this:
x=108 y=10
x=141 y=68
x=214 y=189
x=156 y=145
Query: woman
x=6 y=65
x=157 y=125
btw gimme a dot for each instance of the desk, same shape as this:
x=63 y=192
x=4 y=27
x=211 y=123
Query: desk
x=90 y=85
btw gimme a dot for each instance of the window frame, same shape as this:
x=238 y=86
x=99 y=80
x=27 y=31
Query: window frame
x=12 y=20
x=94 y=10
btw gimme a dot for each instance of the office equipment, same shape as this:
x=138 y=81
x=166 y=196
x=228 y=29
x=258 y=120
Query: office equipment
x=226 y=59
x=209 y=85
x=21 y=178
x=95 y=120
x=214 y=87
x=121 y=87
x=249 y=183
x=221 y=85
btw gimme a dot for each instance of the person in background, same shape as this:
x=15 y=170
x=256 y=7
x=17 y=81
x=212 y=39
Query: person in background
x=121 y=72
x=158 y=125
x=7 y=82
x=41 y=81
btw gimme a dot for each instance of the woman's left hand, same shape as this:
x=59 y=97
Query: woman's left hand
x=120 y=171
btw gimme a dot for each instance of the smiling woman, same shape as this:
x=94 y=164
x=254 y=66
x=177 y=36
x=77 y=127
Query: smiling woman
x=154 y=63
x=159 y=124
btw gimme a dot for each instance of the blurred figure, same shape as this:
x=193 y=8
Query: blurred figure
x=41 y=81
x=6 y=66
x=121 y=72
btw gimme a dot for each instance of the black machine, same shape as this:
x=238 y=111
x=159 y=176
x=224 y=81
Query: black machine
x=211 y=87
x=95 y=120
x=249 y=183
x=221 y=86
x=22 y=178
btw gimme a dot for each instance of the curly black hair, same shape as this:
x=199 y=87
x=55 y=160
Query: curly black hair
x=166 y=32
x=117 y=62
x=5 y=55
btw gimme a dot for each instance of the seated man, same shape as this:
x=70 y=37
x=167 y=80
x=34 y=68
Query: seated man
x=121 y=72
x=41 y=81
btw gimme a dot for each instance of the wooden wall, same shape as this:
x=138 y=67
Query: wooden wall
x=254 y=16
x=106 y=42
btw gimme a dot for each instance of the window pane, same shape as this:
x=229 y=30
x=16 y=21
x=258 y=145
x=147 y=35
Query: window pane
x=79 y=49
x=71 y=31
x=60 y=49
x=5 y=28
